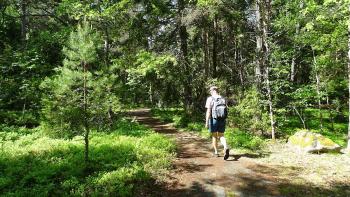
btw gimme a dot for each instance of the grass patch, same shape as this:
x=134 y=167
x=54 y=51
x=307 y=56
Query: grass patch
x=240 y=139
x=123 y=162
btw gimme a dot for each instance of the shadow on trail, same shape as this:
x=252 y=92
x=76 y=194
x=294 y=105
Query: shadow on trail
x=236 y=157
x=191 y=168
x=143 y=117
x=195 y=190
x=256 y=186
x=192 y=148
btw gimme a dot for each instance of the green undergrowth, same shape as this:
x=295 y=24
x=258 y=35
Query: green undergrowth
x=239 y=136
x=28 y=118
x=236 y=138
x=171 y=115
x=123 y=162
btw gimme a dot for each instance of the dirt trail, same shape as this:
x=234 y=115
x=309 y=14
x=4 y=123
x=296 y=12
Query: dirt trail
x=197 y=173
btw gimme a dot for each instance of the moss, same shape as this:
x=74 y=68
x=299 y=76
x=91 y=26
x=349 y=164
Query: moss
x=326 y=141
x=302 y=139
x=305 y=139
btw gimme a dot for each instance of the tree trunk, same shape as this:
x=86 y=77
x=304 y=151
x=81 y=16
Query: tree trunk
x=330 y=111
x=150 y=93
x=295 y=48
x=319 y=99
x=221 y=46
x=206 y=52
x=215 y=45
x=258 y=60
x=24 y=108
x=106 y=45
x=24 y=21
x=292 y=68
x=185 y=62
x=235 y=65
x=300 y=117
x=110 y=115
x=269 y=95
x=266 y=21
x=86 y=124
x=318 y=91
x=349 y=79
x=238 y=64
x=241 y=71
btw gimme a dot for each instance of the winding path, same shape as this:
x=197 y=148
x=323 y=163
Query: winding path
x=197 y=173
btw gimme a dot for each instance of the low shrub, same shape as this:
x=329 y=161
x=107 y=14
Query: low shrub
x=239 y=139
x=249 y=114
x=122 y=162
x=28 y=118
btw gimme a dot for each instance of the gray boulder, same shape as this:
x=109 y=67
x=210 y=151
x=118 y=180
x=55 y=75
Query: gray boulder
x=312 y=142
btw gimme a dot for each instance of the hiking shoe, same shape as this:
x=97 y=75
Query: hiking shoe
x=227 y=154
x=216 y=155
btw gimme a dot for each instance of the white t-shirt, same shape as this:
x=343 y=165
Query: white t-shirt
x=209 y=103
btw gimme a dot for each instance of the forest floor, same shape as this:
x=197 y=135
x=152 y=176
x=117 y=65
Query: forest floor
x=277 y=172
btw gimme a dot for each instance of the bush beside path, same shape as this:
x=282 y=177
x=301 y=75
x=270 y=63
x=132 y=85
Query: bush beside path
x=125 y=161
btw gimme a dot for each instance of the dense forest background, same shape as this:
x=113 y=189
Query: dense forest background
x=71 y=69
x=274 y=60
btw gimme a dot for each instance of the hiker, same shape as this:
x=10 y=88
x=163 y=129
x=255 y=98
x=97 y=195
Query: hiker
x=215 y=120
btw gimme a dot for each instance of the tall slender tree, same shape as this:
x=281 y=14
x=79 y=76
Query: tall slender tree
x=183 y=35
x=259 y=42
x=267 y=63
x=349 y=76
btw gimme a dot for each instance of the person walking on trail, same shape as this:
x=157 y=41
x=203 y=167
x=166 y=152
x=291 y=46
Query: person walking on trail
x=215 y=120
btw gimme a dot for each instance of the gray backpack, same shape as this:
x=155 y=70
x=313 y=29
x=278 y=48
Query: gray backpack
x=219 y=110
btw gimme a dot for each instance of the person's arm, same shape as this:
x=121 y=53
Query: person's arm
x=207 y=116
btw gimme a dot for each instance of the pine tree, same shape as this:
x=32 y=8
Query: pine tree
x=68 y=106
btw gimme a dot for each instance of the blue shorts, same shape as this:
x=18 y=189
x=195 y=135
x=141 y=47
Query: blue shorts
x=217 y=125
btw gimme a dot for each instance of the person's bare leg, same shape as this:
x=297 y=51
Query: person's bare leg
x=222 y=140
x=215 y=142
x=224 y=143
